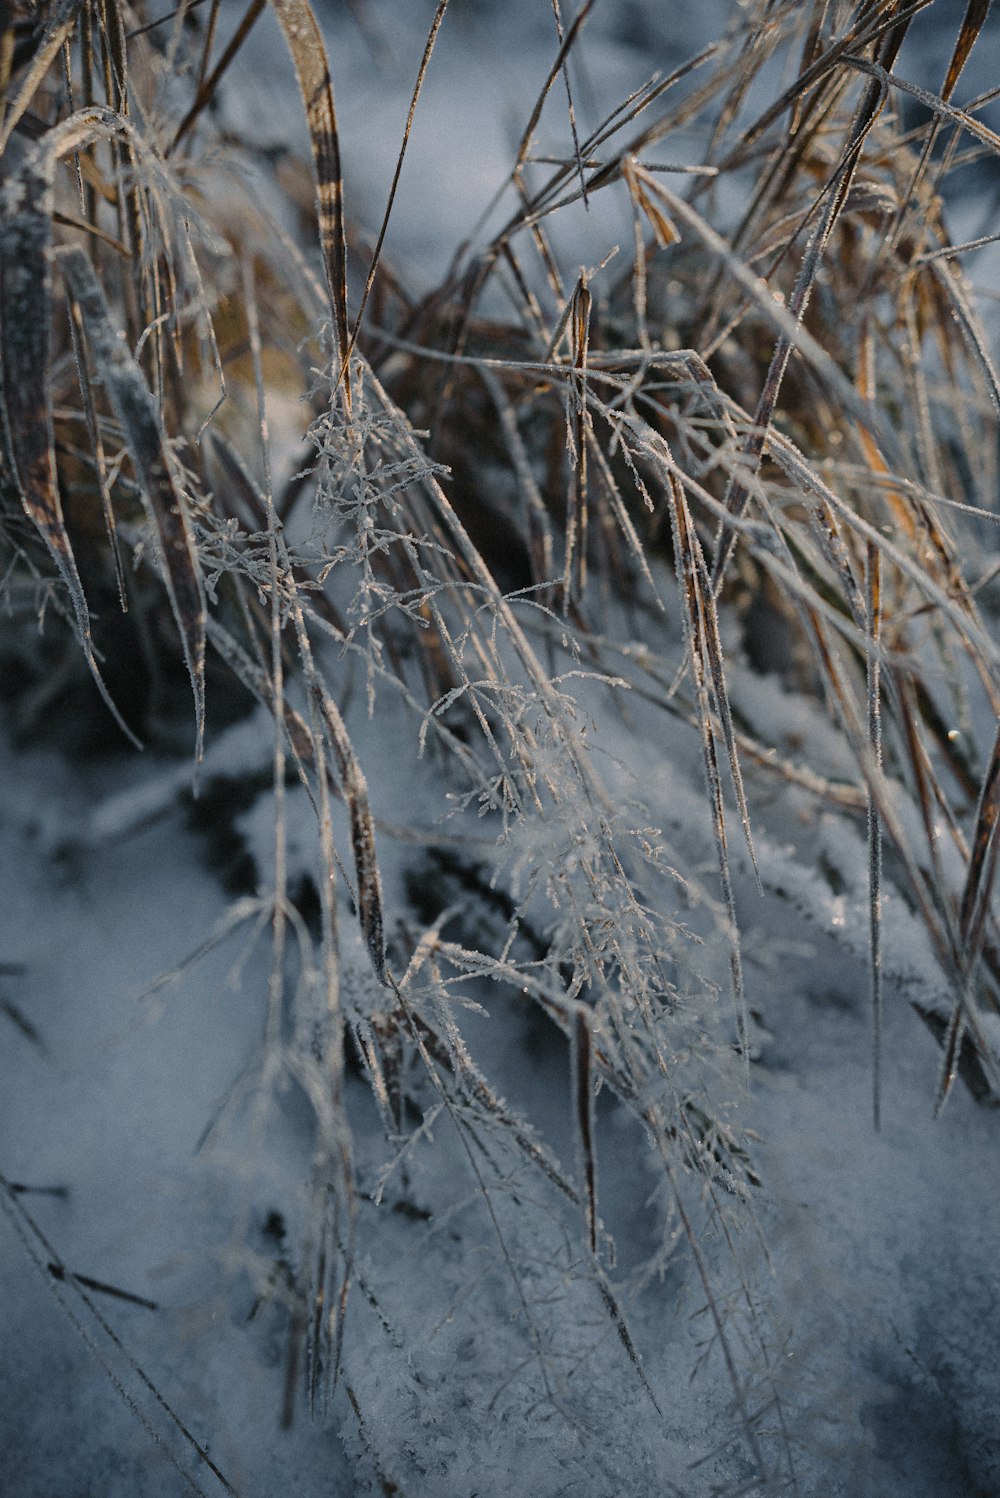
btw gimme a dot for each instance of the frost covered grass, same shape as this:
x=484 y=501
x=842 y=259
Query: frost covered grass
x=585 y=604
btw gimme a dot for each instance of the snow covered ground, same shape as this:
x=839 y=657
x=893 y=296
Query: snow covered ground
x=869 y=1256
x=158 y=1190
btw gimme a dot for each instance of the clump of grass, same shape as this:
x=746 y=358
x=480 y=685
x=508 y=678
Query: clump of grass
x=782 y=402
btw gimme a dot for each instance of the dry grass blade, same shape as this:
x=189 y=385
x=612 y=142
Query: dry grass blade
x=937 y=106
x=58 y=27
x=781 y=318
x=982 y=863
x=25 y=317
x=692 y=580
x=390 y=1487
x=584 y=1111
x=935 y=909
x=500 y=248
x=380 y=241
x=164 y=502
x=25 y=362
x=811 y=45
x=42 y=1255
x=967 y=322
x=874 y=620
x=257 y=681
x=208 y=87
x=873 y=631
x=566 y=43
x=868 y=29
x=312 y=69
x=7 y=45
x=558 y=1009
x=625 y=1337
x=713 y=654
x=926 y=785
x=642 y=189
x=738 y=493
x=458 y=1058
x=362 y=835
x=354 y=786
x=577 y=323
x=972 y=24
x=537 y=521
x=97 y=448
x=570 y=107
x=952 y=1044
